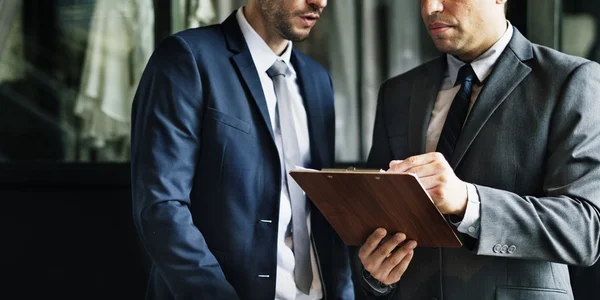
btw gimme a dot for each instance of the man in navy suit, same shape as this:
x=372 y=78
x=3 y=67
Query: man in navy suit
x=213 y=117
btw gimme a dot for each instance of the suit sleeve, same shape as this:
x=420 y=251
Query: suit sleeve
x=166 y=119
x=564 y=225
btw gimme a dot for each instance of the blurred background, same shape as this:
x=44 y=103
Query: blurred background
x=68 y=71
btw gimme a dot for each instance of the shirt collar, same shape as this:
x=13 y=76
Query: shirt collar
x=484 y=64
x=262 y=55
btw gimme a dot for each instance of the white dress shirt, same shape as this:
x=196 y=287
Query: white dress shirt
x=482 y=66
x=264 y=57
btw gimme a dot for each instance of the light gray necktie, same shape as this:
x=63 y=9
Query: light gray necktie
x=291 y=153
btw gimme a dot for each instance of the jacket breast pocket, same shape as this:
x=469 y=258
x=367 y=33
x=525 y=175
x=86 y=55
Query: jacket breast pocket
x=529 y=293
x=227 y=120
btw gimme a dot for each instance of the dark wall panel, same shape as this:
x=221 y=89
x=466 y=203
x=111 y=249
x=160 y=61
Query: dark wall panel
x=70 y=240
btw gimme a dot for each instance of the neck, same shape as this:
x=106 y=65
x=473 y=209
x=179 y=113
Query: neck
x=257 y=20
x=496 y=33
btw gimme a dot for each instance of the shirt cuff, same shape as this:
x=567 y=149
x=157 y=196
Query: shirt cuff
x=472 y=219
x=377 y=287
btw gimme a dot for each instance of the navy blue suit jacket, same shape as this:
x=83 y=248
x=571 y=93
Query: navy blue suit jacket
x=205 y=169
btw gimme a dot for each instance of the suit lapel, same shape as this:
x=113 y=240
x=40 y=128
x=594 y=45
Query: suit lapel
x=495 y=90
x=245 y=65
x=311 y=91
x=422 y=99
x=247 y=69
x=309 y=88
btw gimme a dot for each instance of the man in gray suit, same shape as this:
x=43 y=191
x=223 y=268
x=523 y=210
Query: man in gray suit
x=505 y=137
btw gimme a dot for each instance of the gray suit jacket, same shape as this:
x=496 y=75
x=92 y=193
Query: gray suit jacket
x=531 y=146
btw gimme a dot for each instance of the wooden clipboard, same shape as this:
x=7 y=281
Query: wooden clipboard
x=357 y=202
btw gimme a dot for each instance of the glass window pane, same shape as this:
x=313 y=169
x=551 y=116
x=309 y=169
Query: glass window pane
x=68 y=69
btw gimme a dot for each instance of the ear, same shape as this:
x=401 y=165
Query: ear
x=500 y=1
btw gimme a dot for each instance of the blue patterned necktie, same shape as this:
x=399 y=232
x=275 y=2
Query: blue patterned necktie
x=457 y=113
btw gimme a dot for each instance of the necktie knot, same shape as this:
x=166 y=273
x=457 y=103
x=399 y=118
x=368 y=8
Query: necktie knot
x=466 y=74
x=278 y=68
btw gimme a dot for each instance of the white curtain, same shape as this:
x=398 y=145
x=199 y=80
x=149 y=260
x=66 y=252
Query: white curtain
x=578 y=34
x=343 y=64
x=194 y=13
x=372 y=66
x=121 y=40
x=226 y=7
x=408 y=45
x=11 y=41
x=370 y=42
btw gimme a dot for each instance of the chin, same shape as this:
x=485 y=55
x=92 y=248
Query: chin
x=299 y=35
x=445 y=47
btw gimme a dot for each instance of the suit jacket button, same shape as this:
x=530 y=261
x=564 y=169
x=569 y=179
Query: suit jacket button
x=497 y=248
x=504 y=249
x=512 y=249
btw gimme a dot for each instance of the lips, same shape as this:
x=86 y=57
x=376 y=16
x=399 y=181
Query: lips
x=437 y=28
x=310 y=16
x=309 y=19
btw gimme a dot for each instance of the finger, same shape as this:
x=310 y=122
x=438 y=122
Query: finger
x=434 y=189
x=394 y=162
x=385 y=239
x=429 y=169
x=393 y=260
x=431 y=182
x=413 y=161
x=371 y=244
x=385 y=249
x=399 y=270
x=438 y=157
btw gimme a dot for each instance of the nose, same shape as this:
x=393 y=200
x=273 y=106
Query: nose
x=320 y=3
x=431 y=7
